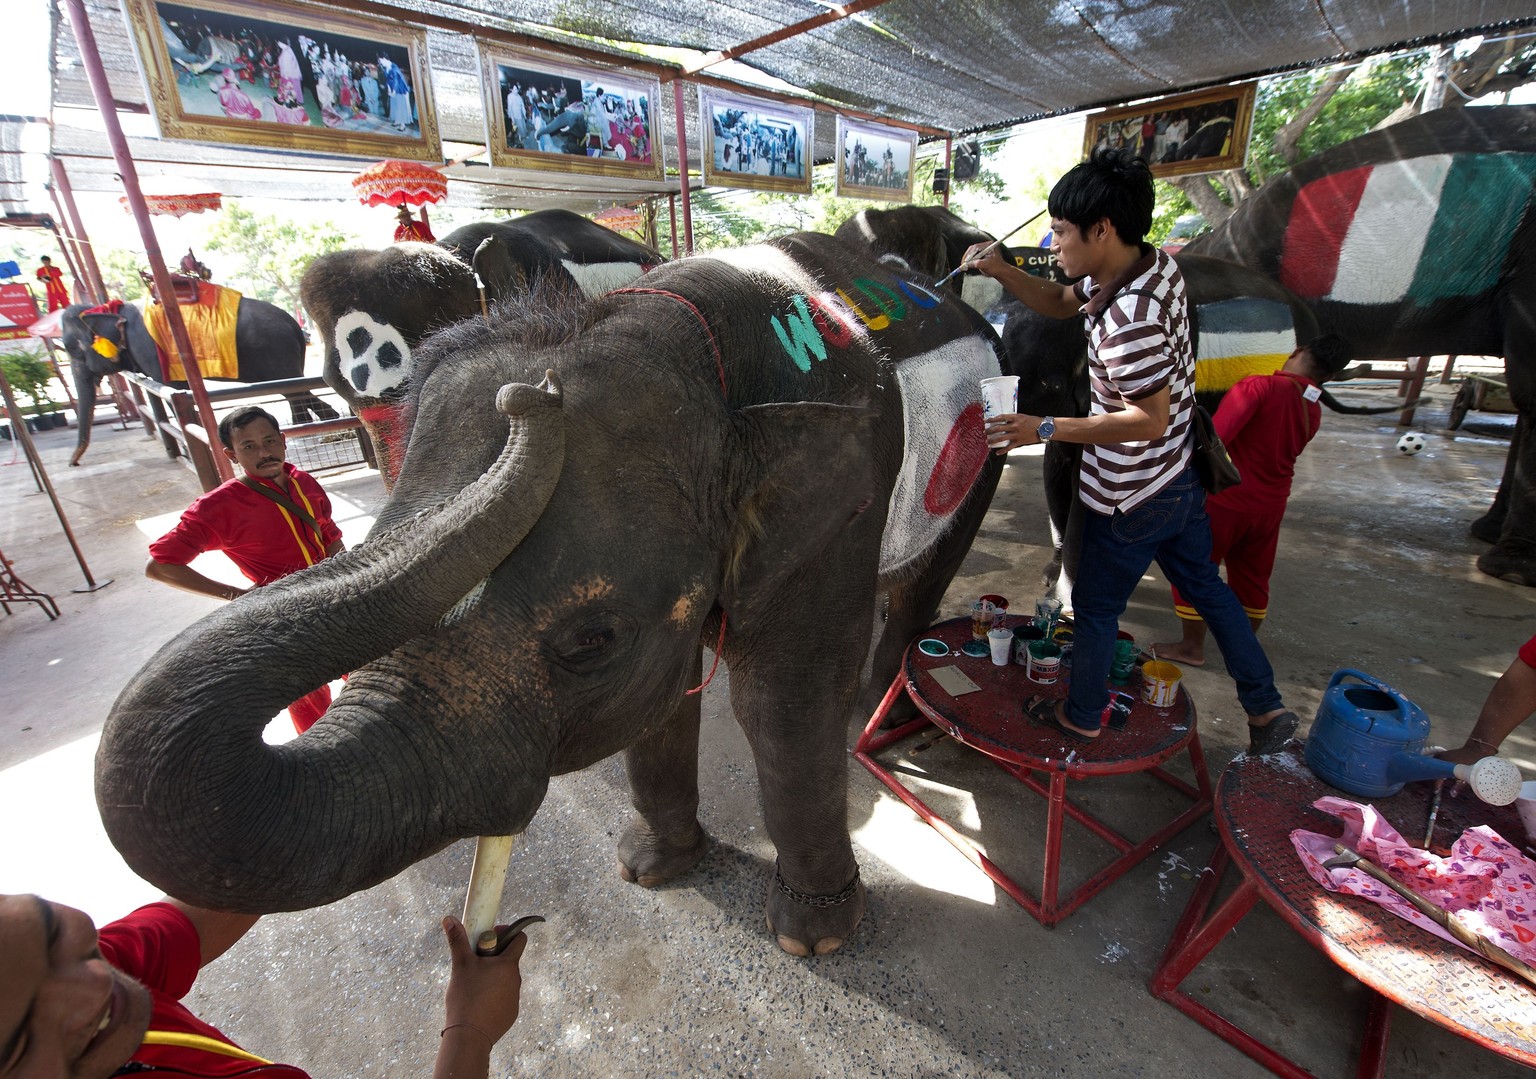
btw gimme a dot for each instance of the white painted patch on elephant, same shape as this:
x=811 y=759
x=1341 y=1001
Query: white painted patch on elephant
x=980 y=291
x=596 y=278
x=1238 y=343
x=1381 y=250
x=938 y=459
x=373 y=355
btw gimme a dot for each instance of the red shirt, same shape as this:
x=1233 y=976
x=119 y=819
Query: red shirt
x=159 y=946
x=1265 y=421
x=259 y=536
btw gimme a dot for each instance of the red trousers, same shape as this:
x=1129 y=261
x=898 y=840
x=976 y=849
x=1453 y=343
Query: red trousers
x=1246 y=542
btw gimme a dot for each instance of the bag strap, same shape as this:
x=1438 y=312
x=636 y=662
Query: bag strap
x=286 y=503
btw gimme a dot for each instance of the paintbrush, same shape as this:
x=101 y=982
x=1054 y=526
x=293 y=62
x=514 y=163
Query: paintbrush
x=986 y=250
x=1434 y=811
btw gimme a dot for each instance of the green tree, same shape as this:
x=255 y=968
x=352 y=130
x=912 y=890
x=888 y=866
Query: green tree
x=264 y=256
x=120 y=272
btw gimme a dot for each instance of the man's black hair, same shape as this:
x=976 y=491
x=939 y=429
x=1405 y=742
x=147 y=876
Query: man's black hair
x=240 y=417
x=1113 y=183
x=1331 y=353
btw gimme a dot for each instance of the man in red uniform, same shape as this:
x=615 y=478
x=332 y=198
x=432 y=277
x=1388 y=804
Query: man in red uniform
x=1265 y=421
x=53 y=283
x=76 y=1004
x=271 y=520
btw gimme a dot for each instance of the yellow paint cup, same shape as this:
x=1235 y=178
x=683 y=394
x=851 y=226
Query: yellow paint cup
x=1160 y=683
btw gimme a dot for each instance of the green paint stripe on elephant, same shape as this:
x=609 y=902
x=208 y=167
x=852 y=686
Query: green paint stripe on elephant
x=1481 y=204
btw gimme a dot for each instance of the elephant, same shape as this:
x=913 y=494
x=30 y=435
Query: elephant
x=269 y=345
x=1419 y=238
x=374 y=308
x=741 y=454
x=929 y=239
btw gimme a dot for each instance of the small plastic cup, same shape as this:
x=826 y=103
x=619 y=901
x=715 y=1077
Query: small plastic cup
x=999 y=396
x=983 y=613
x=1047 y=614
x=1001 y=641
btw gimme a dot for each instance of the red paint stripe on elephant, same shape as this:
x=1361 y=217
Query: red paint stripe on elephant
x=959 y=463
x=1320 y=217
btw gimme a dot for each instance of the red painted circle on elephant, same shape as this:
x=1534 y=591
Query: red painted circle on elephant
x=959 y=463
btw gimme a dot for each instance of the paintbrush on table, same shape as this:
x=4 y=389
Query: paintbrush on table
x=1434 y=811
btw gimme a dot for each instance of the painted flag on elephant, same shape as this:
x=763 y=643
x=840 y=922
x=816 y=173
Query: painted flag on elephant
x=1241 y=337
x=1419 y=230
x=944 y=448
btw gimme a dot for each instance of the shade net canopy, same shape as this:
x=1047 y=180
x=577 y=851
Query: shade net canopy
x=946 y=66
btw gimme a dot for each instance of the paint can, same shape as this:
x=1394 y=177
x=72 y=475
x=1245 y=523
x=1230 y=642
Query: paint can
x=1160 y=683
x=1044 y=663
x=1023 y=637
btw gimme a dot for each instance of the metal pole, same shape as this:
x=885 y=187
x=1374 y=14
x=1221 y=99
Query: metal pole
x=102 y=90
x=949 y=167
x=672 y=213
x=19 y=431
x=66 y=198
x=682 y=164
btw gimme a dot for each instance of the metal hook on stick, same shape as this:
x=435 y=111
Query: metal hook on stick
x=988 y=249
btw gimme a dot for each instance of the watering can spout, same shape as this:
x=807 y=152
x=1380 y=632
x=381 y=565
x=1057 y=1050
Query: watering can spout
x=1493 y=779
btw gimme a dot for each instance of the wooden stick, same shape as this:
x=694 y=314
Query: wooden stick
x=1472 y=939
x=487 y=879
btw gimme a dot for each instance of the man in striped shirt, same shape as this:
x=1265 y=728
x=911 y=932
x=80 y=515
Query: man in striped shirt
x=1143 y=498
x=270 y=520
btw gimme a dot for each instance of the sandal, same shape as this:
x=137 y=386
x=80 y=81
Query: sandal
x=1272 y=737
x=1042 y=712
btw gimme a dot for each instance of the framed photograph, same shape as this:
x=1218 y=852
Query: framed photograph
x=1179 y=136
x=277 y=75
x=874 y=161
x=757 y=144
x=551 y=114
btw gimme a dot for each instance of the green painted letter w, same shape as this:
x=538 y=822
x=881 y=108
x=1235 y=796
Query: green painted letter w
x=800 y=340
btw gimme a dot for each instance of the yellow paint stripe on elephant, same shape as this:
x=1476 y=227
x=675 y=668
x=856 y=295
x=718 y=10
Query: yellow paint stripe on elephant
x=1220 y=373
x=211 y=329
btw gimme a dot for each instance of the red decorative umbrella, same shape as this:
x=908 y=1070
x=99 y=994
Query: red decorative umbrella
x=402 y=184
x=397 y=183
x=178 y=205
x=618 y=218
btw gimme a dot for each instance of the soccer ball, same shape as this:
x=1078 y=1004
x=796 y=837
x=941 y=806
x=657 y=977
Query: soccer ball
x=1411 y=443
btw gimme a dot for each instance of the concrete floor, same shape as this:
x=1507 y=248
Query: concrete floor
x=946 y=977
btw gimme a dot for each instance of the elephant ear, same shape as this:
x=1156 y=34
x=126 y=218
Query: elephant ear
x=811 y=477
x=504 y=274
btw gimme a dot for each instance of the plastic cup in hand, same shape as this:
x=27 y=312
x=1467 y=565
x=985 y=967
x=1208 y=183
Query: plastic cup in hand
x=983 y=614
x=1001 y=642
x=999 y=397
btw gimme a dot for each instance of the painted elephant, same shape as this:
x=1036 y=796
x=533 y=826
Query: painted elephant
x=1419 y=238
x=738 y=455
x=929 y=239
x=373 y=308
x=269 y=345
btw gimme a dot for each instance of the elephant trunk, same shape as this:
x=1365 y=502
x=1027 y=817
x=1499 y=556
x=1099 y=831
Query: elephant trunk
x=199 y=805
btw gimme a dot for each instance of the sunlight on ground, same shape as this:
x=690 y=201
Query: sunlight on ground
x=897 y=837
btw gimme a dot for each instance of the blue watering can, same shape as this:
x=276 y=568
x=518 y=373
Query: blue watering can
x=1368 y=740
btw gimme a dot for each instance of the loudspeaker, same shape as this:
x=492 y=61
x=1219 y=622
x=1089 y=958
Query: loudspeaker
x=940 y=180
x=967 y=160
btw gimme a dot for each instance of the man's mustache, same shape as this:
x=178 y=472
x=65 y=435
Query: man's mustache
x=269 y=461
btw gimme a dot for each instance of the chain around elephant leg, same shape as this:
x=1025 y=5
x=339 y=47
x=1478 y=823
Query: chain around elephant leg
x=825 y=919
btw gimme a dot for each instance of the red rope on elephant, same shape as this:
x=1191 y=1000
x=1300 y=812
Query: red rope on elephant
x=714 y=346
x=719 y=644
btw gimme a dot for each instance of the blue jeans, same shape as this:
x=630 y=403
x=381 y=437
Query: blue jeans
x=1171 y=528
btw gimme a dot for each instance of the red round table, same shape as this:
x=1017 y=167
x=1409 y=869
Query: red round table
x=1259 y=802
x=991 y=720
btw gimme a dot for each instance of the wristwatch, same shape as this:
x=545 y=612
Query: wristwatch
x=1046 y=429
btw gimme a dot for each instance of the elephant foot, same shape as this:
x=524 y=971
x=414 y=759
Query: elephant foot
x=1514 y=567
x=648 y=859
x=1487 y=528
x=807 y=925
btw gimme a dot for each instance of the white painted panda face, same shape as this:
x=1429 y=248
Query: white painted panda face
x=372 y=355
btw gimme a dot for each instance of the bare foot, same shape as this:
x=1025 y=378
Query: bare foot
x=1175 y=652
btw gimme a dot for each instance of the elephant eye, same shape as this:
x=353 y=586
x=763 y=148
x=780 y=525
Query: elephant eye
x=588 y=642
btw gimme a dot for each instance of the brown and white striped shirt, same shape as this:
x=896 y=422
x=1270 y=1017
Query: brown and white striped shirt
x=1138 y=342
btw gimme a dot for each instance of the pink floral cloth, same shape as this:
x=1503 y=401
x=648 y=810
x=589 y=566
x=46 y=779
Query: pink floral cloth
x=1486 y=883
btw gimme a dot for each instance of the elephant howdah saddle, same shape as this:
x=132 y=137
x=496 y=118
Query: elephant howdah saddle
x=210 y=322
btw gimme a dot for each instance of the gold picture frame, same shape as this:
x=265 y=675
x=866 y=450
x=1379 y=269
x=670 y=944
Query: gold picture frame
x=1205 y=131
x=762 y=145
x=555 y=115
x=280 y=75
x=875 y=161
